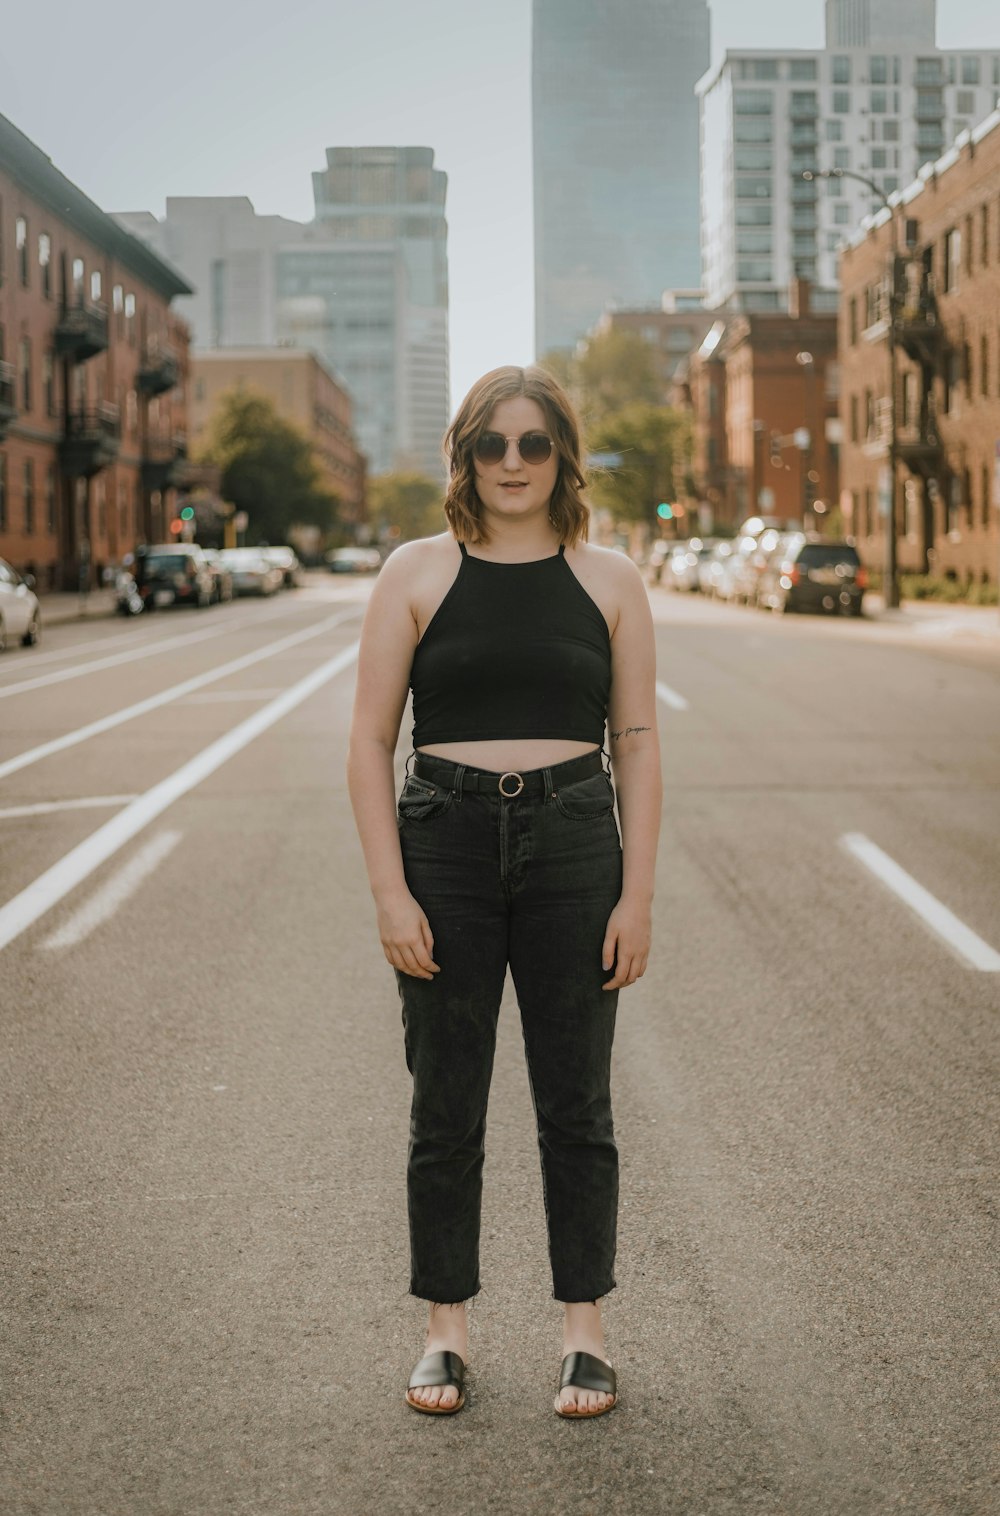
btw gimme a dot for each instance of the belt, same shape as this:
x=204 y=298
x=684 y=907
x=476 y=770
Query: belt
x=531 y=783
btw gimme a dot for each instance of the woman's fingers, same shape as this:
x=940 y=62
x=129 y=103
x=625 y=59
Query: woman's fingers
x=412 y=959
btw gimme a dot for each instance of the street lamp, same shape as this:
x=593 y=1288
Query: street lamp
x=891 y=568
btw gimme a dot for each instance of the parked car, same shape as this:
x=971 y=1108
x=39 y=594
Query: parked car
x=285 y=558
x=814 y=574
x=757 y=554
x=20 y=614
x=658 y=555
x=173 y=573
x=711 y=569
x=222 y=578
x=682 y=568
x=253 y=574
x=354 y=560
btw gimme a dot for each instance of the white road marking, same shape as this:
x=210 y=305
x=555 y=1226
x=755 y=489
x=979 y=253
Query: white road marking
x=46 y=807
x=960 y=938
x=78 y=864
x=214 y=695
x=147 y=649
x=130 y=712
x=670 y=697
x=104 y=902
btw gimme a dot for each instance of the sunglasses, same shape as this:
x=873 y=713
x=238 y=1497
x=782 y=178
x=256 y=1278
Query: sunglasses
x=533 y=447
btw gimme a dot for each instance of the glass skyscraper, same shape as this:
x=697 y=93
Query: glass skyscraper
x=615 y=124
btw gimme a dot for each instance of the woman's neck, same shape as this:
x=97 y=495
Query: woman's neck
x=518 y=541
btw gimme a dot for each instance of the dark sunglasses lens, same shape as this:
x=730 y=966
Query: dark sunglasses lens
x=535 y=447
x=490 y=447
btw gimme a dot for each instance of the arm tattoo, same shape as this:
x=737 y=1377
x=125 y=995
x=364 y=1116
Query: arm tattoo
x=628 y=730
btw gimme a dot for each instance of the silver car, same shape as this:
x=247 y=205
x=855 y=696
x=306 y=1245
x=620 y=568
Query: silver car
x=20 y=615
x=253 y=574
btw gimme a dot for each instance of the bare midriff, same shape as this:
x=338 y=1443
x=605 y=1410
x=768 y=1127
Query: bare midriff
x=511 y=755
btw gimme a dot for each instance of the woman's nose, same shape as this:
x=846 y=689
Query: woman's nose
x=512 y=457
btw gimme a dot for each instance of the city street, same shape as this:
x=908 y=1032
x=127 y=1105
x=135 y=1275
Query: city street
x=205 y=1103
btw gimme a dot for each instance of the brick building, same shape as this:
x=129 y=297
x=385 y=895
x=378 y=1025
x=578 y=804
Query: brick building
x=305 y=393
x=762 y=393
x=672 y=330
x=93 y=367
x=933 y=269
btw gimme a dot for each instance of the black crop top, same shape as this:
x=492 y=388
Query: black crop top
x=513 y=650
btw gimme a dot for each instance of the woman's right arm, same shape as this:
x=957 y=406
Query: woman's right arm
x=388 y=638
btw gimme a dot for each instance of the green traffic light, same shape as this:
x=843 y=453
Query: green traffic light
x=187 y=514
x=665 y=511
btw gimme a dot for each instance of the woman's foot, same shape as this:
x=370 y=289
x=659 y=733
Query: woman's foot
x=583 y=1333
x=447 y=1332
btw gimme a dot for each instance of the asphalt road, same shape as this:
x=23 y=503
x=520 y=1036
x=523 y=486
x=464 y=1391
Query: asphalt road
x=204 y=1099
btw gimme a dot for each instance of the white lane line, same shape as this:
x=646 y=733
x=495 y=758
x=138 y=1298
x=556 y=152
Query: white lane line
x=51 y=887
x=130 y=712
x=670 y=697
x=146 y=650
x=214 y=695
x=46 y=807
x=960 y=938
x=105 y=901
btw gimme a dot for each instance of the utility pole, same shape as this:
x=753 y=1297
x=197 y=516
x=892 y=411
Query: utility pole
x=890 y=574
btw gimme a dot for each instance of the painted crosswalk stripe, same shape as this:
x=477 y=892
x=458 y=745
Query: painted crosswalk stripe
x=105 y=901
x=944 y=923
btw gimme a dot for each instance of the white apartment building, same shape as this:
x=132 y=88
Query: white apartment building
x=880 y=100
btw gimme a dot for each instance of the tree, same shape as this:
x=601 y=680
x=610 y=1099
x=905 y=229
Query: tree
x=612 y=370
x=269 y=468
x=654 y=444
x=410 y=505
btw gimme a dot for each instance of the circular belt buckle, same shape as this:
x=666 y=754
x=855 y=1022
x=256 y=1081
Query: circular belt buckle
x=510 y=794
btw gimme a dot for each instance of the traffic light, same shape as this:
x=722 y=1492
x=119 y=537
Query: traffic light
x=187 y=513
x=665 y=511
x=176 y=526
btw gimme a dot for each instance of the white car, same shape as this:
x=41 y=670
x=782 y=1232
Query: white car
x=253 y=574
x=20 y=615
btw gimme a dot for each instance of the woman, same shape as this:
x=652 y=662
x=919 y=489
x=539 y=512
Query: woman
x=520 y=641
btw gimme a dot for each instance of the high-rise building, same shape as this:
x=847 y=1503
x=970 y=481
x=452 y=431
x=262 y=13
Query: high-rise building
x=615 y=156
x=880 y=100
x=364 y=285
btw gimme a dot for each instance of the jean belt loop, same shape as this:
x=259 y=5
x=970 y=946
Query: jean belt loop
x=409 y=761
x=547 y=784
x=606 y=762
x=456 y=783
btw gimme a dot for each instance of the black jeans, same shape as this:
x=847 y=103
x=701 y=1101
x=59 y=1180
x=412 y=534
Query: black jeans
x=529 y=881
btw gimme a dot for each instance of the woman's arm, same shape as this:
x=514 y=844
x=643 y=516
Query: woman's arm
x=635 y=759
x=388 y=638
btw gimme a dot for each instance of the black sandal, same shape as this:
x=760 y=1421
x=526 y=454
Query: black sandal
x=582 y=1371
x=438 y=1368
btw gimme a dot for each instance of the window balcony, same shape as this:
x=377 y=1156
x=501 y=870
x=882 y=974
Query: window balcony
x=90 y=442
x=8 y=400
x=930 y=110
x=804 y=136
x=803 y=110
x=918 y=443
x=159 y=371
x=82 y=332
x=165 y=465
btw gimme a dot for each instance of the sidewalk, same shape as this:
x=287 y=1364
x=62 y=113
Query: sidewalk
x=58 y=607
x=931 y=619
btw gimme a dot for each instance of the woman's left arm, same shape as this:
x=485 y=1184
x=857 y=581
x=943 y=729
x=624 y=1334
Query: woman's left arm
x=635 y=759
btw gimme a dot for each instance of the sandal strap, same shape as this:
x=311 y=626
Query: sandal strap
x=585 y=1372
x=438 y=1368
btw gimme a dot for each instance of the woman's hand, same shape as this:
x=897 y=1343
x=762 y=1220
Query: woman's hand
x=406 y=935
x=627 y=939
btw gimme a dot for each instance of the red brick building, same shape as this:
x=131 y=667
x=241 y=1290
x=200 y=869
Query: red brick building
x=93 y=373
x=672 y=332
x=762 y=392
x=934 y=270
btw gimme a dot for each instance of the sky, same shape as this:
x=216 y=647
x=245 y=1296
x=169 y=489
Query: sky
x=137 y=102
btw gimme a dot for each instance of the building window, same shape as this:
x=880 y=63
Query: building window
x=834 y=131
x=985 y=496
x=21 y=244
x=754 y=271
x=29 y=496
x=852 y=313
x=952 y=260
x=745 y=130
x=879 y=101
x=24 y=365
x=95 y=285
x=749 y=214
x=45 y=263
x=3 y=492
x=763 y=68
x=50 y=500
x=971 y=72
x=890 y=131
x=753 y=102
x=49 y=383
x=840 y=70
x=965 y=102
x=752 y=189
x=878 y=70
x=855 y=437
x=967 y=245
x=130 y=319
x=984 y=235
x=984 y=365
x=802 y=68
x=842 y=214
x=866 y=518
x=842 y=157
x=841 y=102
x=835 y=188
x=878 y=157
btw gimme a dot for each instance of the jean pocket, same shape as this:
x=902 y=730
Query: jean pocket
x=421 y=800
x=587 y=799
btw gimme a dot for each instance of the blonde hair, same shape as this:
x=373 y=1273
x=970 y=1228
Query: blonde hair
x=568 y=511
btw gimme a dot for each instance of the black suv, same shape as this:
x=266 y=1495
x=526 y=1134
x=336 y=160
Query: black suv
x=173 y=574
x=813 y=574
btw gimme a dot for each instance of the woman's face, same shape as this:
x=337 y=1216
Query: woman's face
x=512 y=488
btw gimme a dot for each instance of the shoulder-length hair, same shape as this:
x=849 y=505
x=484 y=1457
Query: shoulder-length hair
x=568 y=511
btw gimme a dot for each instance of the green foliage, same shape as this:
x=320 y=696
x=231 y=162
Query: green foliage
x=950 y=591
x=410 y=503
x=655 y=445
x=269 y=468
